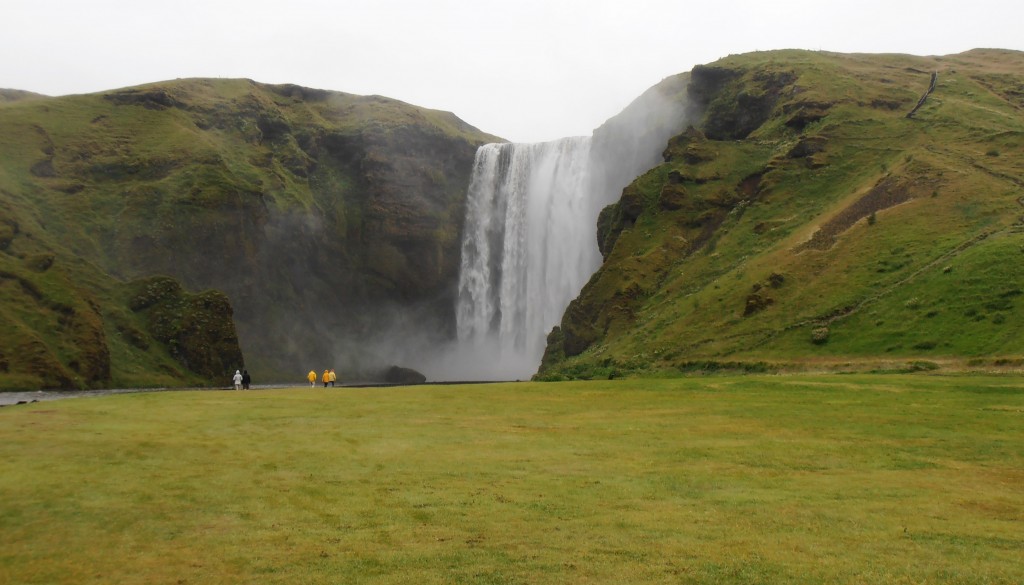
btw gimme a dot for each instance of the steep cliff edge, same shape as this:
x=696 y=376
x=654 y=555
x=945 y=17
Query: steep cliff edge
x=325 y=218
x=805 y=219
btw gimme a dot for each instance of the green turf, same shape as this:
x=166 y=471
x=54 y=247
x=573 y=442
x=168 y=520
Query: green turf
x=759 y=479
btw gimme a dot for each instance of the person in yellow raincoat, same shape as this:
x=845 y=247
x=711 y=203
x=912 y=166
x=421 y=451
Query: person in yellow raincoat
x=333 y=378
x=326 y=378
x=311 y=376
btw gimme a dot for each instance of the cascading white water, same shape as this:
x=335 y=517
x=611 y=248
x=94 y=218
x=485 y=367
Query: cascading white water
x=530 y=234
x=528 y=248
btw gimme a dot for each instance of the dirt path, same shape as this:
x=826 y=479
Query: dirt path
x=924 y=98
x=15 y=398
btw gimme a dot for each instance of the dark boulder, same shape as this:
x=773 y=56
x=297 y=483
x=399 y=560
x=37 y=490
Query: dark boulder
x=403 y=376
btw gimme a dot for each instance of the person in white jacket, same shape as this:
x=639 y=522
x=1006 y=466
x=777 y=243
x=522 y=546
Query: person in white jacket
x=238 y=380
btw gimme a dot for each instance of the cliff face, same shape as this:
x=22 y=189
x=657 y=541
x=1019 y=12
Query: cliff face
x=324 y=217
x=805 y=218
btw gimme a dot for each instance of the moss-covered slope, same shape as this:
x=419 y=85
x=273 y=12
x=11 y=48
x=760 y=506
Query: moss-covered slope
x=66 y=324
x=321 y=215
x=806 y=219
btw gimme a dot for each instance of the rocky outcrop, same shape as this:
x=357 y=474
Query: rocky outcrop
x=403 y=376
x=197 y=330
x=734 y=101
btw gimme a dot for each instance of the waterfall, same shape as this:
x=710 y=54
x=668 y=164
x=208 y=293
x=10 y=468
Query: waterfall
x=530 y=233
x=529 y=246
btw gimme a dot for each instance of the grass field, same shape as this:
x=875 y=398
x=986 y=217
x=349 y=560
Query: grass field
x=759 y=479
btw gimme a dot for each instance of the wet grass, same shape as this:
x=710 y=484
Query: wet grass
x=758 y=479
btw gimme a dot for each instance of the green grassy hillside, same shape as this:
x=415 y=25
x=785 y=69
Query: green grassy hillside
x=317 y=213
x=805 y=220
x=66 y=323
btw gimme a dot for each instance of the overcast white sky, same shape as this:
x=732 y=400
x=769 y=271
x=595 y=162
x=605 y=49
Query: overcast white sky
x=526 y=70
